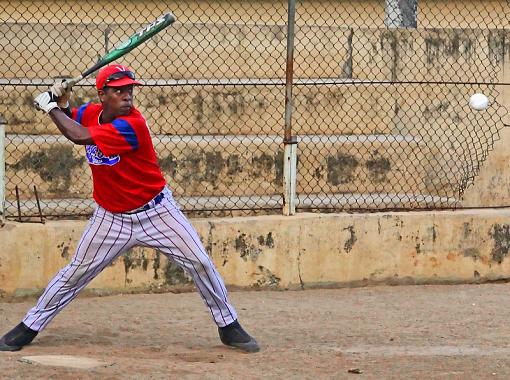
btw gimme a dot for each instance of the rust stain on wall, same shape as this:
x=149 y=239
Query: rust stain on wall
x=53 y=165
x=267 y=279
x=168 y=164
x=433 y=232
x=341 y=168
x=225 y=251
x=210 y=241
x=134 y=259
x=268 y=240
x=390 y=39
x=156 y=264
x=498 y=45
x=352 y=239
x=434 y=111
x=175 y=275
x=451 y=256
x=466 y=230
x=500 y=234
x=215 y=104
x=197 y=168
x=378 y=167
x=214 y=164
x=198 y=102
x=64 y=247
x=452 y=43
x=263 y=163
x=234 y=165
x=474 y=253
x=244 y=245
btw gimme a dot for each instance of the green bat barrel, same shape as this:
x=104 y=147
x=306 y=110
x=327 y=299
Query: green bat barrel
x=135 y=40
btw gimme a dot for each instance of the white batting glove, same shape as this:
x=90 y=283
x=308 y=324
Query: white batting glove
x=62 y=92
x=46 y=101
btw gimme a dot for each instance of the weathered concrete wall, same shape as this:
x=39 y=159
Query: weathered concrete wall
x=242 y=41
x=272 y=251
x=259 y=51
x=280 y=252
x=457 y=13
x=340 y=109
x=207 y=166
x=410 y=119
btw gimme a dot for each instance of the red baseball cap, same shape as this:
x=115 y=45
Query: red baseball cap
x=115 y=76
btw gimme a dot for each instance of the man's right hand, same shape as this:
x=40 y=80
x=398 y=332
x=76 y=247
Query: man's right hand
x=46 y=101
x=62 y=93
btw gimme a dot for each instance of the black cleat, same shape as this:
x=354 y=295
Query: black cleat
x=233 y=335
x=5 y=347
x=18 y=337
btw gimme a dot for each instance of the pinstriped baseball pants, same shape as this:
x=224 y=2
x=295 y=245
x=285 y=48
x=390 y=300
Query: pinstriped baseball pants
x=108 y=235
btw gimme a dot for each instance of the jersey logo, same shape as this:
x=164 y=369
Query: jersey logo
x=96 y=157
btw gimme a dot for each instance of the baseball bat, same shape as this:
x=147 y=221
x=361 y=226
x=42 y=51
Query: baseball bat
x=125 y=47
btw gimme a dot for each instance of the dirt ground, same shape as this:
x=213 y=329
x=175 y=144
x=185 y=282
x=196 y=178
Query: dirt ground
x=400 y=332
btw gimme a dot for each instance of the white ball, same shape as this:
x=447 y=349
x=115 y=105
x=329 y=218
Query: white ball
x=478 y=102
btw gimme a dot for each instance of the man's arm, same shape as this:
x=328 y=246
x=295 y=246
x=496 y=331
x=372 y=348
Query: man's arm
x=72 y=130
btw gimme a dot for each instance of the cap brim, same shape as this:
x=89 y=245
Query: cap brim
x=123 y=82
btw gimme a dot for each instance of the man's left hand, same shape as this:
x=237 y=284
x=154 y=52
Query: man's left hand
x=63 y=93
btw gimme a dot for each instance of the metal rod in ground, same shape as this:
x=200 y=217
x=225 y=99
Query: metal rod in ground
x=18 y=203
x=289 y=72
x=38 y=204
x=289 y=157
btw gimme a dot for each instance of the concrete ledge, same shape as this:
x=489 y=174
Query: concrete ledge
x=231 y=204
x=277 y=252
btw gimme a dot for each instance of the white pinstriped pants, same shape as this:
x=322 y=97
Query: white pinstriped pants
x=108 y=235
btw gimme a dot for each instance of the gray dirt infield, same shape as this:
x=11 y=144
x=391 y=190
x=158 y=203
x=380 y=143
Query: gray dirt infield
x=401 y=332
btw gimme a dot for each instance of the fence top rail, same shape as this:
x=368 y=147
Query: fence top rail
x=29 y=82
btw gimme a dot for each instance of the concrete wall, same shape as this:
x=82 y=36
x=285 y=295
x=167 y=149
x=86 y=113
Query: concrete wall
x=431 y=13
x=277 y=252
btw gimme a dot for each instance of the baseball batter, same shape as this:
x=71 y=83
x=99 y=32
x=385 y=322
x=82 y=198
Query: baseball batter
x=134 y=208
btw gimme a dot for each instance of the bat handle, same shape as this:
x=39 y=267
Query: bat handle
x=71 y=82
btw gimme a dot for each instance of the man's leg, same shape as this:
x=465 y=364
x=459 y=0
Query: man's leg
x=106 y=237
x=168 y=230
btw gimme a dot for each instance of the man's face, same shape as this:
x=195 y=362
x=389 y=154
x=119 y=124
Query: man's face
x=117 y=100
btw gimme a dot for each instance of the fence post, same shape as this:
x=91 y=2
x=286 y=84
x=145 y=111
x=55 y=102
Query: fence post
x=505 y=92
x=2 y=170
x=289 y=141
x=401 y=14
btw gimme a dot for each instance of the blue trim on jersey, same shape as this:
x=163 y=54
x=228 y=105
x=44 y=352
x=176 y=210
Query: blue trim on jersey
x=81 y=110
x=123 y=127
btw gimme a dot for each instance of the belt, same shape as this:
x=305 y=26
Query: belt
x=151 y=204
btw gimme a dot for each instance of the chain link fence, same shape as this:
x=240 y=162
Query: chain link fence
x=379 y=100
x=384 y=102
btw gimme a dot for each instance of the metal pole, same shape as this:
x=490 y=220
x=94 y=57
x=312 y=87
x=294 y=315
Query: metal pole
x=290 y=142
x=2 y=170
x=401 y=13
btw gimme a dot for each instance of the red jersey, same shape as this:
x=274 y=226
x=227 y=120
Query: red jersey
x=125 y=170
